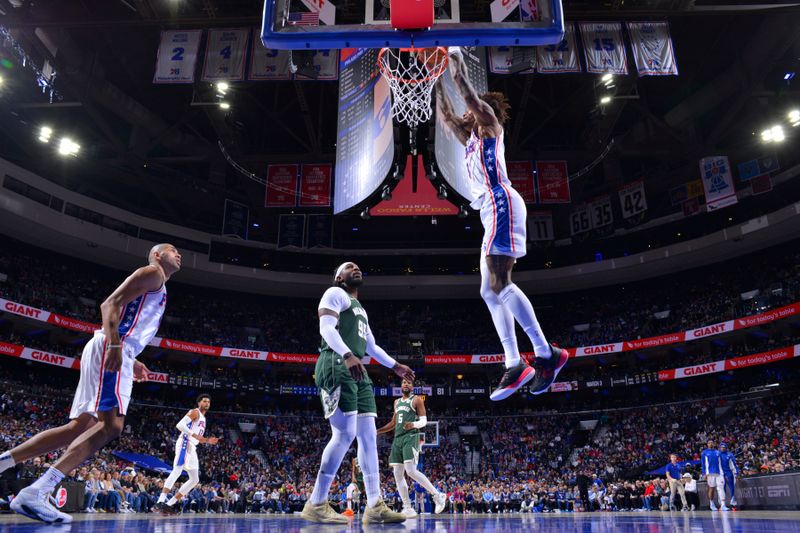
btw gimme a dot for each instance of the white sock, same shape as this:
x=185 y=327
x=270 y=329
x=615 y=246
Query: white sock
x=343 y=431
x=172 y=501
x=162 y=497
x=367 y=437
x=49 y=480
x=350 y=504
x=501 y=317
x=520 y=306
x=6 y=462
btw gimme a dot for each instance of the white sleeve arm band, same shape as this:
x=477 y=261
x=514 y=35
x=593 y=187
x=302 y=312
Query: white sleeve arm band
x=327 y=328
x=183 y=426
x=421 y=423
x=378 y=353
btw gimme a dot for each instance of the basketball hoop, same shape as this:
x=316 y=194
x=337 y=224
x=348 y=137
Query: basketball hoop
x=412 y=73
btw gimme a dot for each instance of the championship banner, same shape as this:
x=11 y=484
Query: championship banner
x=520 y=173
x=225 y=53
x=632 y=199
x=604 y=48
x=559 y=58
x=267 y=64
x=326 y=63
x=177 y=55
x=601 y=212
x=715 y=172
x=512 y=59
x=540 y=226
x=315 y=185
x=552 y=182
x=281 y=190
x=580 y=220
x=652 y=48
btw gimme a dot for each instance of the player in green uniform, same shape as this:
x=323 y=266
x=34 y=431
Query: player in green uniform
x=348 y=399
x=408 y=418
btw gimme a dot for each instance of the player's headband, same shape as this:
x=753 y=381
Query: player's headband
x=340 y=269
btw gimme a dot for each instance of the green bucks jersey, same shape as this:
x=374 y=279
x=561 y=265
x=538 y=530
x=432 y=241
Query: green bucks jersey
x=352 y=328
x=404 y=412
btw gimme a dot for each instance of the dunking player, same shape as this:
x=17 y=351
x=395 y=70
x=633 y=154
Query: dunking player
x=348 y=400
x=192 y=428
x=408 y=418
x=503 y=215
x=131 y=316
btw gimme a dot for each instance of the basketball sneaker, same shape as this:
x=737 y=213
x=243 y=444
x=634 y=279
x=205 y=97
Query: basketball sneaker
x=381 y=514
x=322 y=513
x=514 y=378
x=440 y=500
x=408 y=512
x=35 y=503
x=548 y=369
x=163 y=508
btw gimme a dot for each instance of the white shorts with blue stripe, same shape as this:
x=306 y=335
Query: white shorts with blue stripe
x=503 y=215
x=187 y=456
x=99 y=390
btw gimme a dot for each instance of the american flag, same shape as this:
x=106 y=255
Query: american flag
x=307 y=18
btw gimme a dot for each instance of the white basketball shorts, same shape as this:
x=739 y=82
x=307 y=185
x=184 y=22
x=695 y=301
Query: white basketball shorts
x=715 y=481
x=503 y=216
x=98 y=390
x=185 y=456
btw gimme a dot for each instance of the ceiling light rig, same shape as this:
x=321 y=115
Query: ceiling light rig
x=44 y=81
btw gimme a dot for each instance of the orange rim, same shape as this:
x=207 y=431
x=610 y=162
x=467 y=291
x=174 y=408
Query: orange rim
x=432 y=76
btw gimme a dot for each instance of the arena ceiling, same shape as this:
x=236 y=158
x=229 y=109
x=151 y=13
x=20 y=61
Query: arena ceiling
x=153 y=148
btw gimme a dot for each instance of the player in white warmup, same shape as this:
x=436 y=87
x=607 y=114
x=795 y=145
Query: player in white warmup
x=192 y=428
x=131 y=317
x=503 y=216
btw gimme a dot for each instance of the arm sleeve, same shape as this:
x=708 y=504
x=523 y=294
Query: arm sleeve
x=327 y=328
x=421 y=423
x=184 y=426
x=377 y=352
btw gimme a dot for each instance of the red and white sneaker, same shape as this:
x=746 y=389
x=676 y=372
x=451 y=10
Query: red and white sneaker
x=514 y=378
x=548 y=369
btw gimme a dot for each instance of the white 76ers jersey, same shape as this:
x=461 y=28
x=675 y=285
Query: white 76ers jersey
x=486 y=167
x=140 y=320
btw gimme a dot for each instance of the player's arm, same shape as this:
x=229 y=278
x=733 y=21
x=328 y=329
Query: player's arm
x=334 y=301
x=422 y=418
x=353 y=469
x=456 y=123
x=184 y=425
x=143 y=280
x=380 y=355
x=389 y=425
x=484 y=115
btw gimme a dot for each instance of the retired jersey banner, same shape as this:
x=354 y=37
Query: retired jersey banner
x=267 y=64
x=326 y=63
x=559 y=58
x=601 y=212
x=281 y=186
x=552 y=181
x=652 y=48
x=604 y=48
x=580 y=220
x=177 y=55
x=540 y=226
x=225 y=53
x=632 y=199
x=512 y=59
x=520 y=173
x=715 y=172
x=315 y=185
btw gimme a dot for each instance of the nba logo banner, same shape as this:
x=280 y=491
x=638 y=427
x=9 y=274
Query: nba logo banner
x=559 y=58
x=177 y=55
x=553 y=182
x=225 y=53
x=281 y=186
x=315 y=185
x=604 y=48
x=652 y=48
x=715 y=172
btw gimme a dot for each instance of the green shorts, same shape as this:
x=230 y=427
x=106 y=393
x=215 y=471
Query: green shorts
x=405 y=448
x=338 y=389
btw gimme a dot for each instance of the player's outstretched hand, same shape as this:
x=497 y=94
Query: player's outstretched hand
x=404 y=372
x=140 y=372
x=212 y=440
x=355 y=367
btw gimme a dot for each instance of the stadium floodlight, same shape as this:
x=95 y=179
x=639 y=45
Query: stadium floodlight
x=773 y=134
x=604 y=100
x=222 y=86
x=794 y=117
x=607 y=78
x=68 y=147
x=45 y=133
x=224 y=105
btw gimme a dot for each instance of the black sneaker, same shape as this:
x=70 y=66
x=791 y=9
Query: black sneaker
x=514 y=378
x=548 y=369
x=163 y=508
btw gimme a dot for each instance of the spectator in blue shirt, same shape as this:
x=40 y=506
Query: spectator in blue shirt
x=712 y=471
x=675 y=485
x=729 y=471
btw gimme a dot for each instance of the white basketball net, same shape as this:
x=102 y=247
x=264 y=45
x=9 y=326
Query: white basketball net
x=411 y=74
